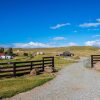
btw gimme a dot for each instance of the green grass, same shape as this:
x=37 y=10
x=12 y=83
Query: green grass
x=12 y=86
x=61 y=62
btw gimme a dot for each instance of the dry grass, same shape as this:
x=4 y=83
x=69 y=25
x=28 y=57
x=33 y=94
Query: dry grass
x=77 y=50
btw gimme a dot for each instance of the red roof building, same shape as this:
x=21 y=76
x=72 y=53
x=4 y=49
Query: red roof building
x=2 y=54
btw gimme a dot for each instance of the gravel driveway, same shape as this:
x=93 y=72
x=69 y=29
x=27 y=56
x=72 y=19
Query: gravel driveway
x=72 y=83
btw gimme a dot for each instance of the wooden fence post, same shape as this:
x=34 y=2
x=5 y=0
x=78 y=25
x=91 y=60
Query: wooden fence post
x=91 y=61
x=31 y=65
x=43 y=63
x=14 y=69
x=53 y=62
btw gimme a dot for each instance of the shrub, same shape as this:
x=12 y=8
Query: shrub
x=25 y=54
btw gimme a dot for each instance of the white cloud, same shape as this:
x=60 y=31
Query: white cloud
x=98 y=20
x=30 y=45
x=72 y=44
x=90 y=24
x=59 y=38
x=95 y=29
x=98 y=35
x=93 y=43
x=60 y=25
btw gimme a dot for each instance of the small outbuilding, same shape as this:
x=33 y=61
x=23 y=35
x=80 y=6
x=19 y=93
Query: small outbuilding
x=4 y=56
x=40 y=53
x=67 y=54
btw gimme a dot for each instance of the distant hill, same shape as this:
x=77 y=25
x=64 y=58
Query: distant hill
x=78 y=50
x=60 y=48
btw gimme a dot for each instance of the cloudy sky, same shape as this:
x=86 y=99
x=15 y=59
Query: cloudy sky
x=49 y=23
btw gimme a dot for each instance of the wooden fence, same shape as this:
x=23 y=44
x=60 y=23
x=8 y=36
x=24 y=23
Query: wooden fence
x=94 y=60
x=13 y=69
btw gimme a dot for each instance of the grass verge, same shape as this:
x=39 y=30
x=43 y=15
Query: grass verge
x=61 y=62
x=12 y=86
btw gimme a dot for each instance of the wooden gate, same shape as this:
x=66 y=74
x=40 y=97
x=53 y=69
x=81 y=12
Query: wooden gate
x=94 y=60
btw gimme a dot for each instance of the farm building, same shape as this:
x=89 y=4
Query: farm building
x=3 y=56
x=40 y=53
x=66 y=54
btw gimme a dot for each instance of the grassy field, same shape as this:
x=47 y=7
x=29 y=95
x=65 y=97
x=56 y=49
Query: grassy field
x=77 y=50
x=12 y=86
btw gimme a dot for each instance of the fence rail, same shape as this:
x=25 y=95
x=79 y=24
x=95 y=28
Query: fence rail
x=94 y=60
x=19 y=68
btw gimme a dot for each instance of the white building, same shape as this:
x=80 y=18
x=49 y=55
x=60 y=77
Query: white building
x=40 y=53
x=5 y=57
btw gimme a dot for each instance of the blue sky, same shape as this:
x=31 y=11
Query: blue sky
x=49 y=23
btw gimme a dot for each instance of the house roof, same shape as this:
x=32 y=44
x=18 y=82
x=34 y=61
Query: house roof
x=2 y=54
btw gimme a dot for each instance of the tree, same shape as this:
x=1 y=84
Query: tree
x=1 y=50
x=30 y=55
x=25 y=54
x=9 y=52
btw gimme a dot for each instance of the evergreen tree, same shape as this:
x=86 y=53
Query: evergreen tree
x=1 y=50
x=9 y=52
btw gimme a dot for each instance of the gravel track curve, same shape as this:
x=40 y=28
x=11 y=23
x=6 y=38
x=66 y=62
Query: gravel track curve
x=72 y=83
